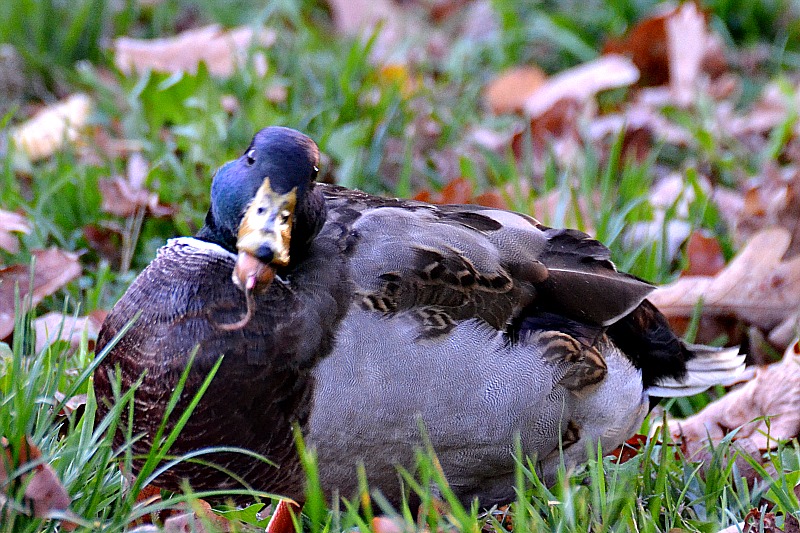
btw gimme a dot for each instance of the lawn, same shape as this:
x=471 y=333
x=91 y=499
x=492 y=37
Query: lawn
x=677 y=153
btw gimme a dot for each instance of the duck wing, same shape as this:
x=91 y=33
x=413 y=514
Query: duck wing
x=453 y=263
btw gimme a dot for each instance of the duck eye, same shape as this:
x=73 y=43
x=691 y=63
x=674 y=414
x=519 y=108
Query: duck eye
x=251 y=157
x=315 y=173
x=285 y=214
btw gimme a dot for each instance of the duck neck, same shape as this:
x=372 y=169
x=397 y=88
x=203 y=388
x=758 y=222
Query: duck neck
x=310 y=216
x=212 y=232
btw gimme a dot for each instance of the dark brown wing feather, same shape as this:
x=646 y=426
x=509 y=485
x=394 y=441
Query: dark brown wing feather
x=455 y=263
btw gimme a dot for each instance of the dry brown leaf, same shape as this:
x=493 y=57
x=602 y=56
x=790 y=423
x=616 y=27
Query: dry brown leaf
x=563 y=102
x=773 y=393
x=772 y=200
x=672 y=47
x=281 y=520
x=47 y=131
x=125 y=196
x=441 y=10
x=222 y=51
x=200 y=520
x=646 y=45
x=771 y=110
x=508 y=92
x=643 y=113
x=44 y=492
x=756 y=287
x=791 y=524
x=491 y=198
x=54 y=326
x=670 y=197
x=457 y=191
x=54 y=268
x=757 y=522
x=385 y=524
x=687 y=42
x=361 y=18
x=106 y=239
x=460 y=191
x=557 y=124
x=629 y=449
x=581 y=83
x=11 y=223
x=704 y=255
x=782 y=334
x=73 y=404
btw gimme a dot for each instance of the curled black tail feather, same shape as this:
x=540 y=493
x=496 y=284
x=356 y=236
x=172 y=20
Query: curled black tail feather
x=645 y=337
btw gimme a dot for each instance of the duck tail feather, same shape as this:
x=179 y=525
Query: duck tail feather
x=709 y=367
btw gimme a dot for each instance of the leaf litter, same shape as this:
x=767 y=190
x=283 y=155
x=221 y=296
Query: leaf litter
x=669 y=61
x=53 y=269
x=44 y=493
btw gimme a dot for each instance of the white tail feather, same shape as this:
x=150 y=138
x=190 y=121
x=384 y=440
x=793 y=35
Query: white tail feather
x=709 y=367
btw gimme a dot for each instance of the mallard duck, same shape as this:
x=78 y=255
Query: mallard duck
x=361 y=319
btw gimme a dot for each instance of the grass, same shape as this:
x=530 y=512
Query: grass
x=369 y=123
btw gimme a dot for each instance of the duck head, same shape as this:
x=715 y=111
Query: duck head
x=263 y=206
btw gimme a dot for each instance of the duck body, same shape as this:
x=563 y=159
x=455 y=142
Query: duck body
x=477 y=326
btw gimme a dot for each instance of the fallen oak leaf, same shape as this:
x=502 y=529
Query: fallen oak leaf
x=201 y=519
x=71 y=405
x=385 y=524
x=581 y=83
x=124 y=197
x=382 y=18
x=756 y=287
x=508 y=92
x=704 y=255
x=764 y=411
x=773 y=199
x=47 y=131
x=629 y=449
x=54 y=326
x=687 y=43
x=769 y=111
x=222 y=51
x=11 y=223
x=44 y=492
x=673 y=46
x=53 y=269
x=563 y=101
x=758 y=522
x=457 y=191
x=646 y=45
